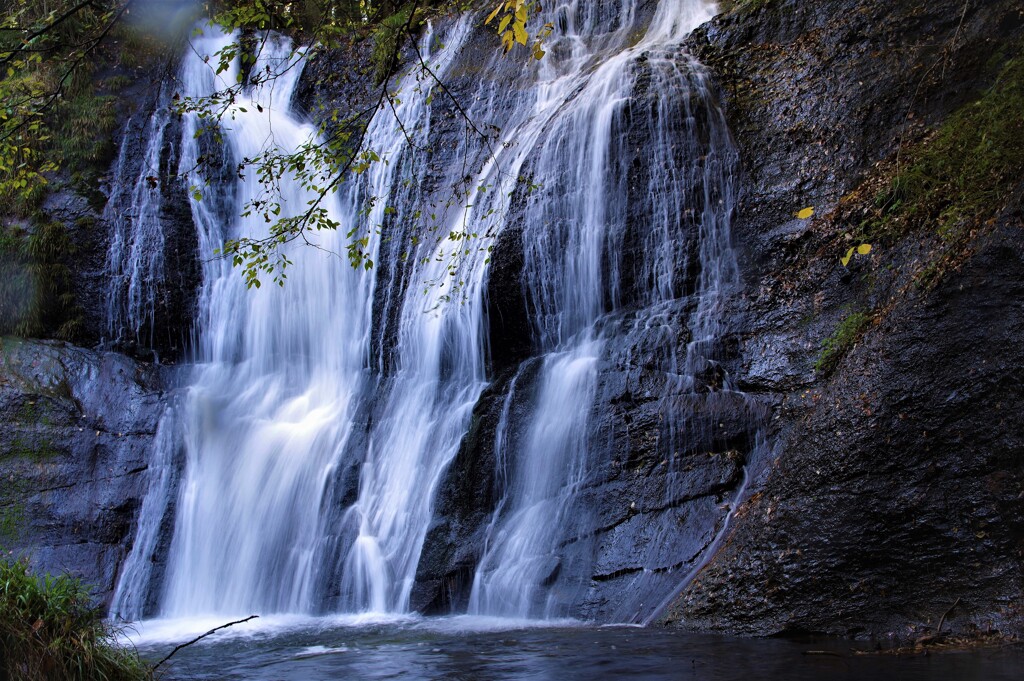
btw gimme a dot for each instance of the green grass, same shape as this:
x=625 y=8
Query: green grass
x=961 y=176
x=51 y=631
x=835 y=347
x=83 y=133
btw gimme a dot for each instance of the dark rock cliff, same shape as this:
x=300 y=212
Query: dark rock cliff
x=894 y=488
x=78 y=427
x=886 y=487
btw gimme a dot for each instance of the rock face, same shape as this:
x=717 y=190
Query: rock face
x=884 y=486
x=887 y=484
x=78 y=428
x=894 y=488
x=666 y=447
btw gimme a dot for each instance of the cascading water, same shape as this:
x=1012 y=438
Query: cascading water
x=425 y=405
x=135 y=258
x=280 y=374
x=285 y=377
x=576 y=227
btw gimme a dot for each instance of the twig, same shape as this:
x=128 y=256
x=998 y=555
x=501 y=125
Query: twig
x=200 y=638
x=946 y=53
x=27 y=40
x=938 y=629
x=956 y=34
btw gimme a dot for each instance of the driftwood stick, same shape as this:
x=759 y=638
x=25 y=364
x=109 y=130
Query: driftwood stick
x=938 y=630
x=197 y=639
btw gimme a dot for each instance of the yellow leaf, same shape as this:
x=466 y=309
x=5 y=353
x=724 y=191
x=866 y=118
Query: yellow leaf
x=805 y=213
x=864 y=249
x=504 y=23
x=490 y=17
x=521 y=35
x=846 y=260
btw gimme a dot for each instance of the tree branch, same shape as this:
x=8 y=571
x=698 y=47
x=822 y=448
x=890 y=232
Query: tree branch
x=45 y=29
x=197 y=639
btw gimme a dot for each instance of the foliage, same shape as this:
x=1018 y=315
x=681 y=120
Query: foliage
x=50 y=115
x=335 y=152
x=388 y=36
x=514 y=15
x=835 y=347
x=23 y=136
x=55 y=118
x=862 y=249
x=50 y=631
x=36 y=291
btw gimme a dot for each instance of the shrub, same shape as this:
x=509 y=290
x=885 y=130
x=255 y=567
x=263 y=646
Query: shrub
x=51 y=631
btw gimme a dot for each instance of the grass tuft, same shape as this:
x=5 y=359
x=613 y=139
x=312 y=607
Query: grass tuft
x=51 y=631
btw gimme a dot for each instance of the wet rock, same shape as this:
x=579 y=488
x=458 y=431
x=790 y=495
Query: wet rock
x=165 y=332
x=467 y=496
x=889 y=492
x=78 y=427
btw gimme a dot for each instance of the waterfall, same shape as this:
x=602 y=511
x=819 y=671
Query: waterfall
x=281 y=371
x=575 y=229
x=130 y=597
x=426 y=403
x=135 y=257
x=378 y=371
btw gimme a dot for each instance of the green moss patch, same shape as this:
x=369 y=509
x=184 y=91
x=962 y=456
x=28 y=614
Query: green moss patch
x=835 y=347
x=12 y=519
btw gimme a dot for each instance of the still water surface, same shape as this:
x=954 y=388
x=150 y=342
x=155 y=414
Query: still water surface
x=483 y=649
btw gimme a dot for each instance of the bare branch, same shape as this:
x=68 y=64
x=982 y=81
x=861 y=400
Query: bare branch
x=197 y=639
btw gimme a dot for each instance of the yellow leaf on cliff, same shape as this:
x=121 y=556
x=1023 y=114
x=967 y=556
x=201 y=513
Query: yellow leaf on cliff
x=846 y=260
x=805 y=213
